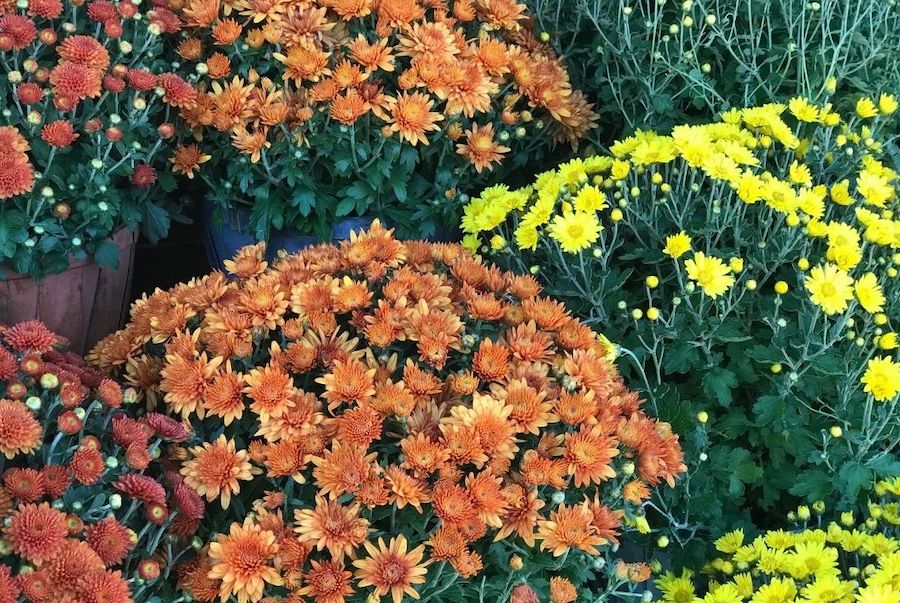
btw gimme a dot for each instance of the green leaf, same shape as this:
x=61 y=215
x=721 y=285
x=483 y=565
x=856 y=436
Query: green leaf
x=346 y=206
x=156 y=222
x=769 y=409
x=681 y=357
x=853 y=477
x=718 y=383
x=814 y=485
x=107 y=254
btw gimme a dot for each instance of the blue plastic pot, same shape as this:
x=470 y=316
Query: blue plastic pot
x=223 y=238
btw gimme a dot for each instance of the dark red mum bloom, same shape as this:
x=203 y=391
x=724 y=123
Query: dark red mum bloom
x=113 y=84
x=144 y=175
x=29 y=93
x=166 y=427
x=102 y=11
x=19 y=29
x=141 y=79
x=8 y=365
x=143 y=488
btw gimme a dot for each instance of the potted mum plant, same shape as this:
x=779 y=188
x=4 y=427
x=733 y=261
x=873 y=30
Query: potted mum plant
x=83 y=133
x=310 y=113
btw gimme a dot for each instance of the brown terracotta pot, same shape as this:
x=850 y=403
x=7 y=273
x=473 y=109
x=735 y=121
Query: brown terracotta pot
x=85 y=303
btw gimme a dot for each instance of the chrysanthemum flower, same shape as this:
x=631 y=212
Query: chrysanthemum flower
x=830 y=288
x=19 y=29
x=327 y=582
x=84 y=50
x=24 y=484
x=76 y=81
x=110 y=540
x=20 y=432
x=332 y=526
x=103 y=587
x=30 y=336
x=36 y=532
x=87 y=465
x=411 y=116
x=568 y=528
x=141 y=487
x=216 y=470
x=480 y=148
x=562 y=590
x=242 y=561
x=392 y=568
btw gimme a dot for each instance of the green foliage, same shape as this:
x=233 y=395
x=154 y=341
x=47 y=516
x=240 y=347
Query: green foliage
x=645 y=67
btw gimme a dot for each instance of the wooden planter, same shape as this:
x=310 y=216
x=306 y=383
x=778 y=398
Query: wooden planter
x=85 y=303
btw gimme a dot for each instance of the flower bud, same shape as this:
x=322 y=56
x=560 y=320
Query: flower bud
x=703 y=416
x=515 y=563
x=49 y=381
x=836 y=431
x=781 y=287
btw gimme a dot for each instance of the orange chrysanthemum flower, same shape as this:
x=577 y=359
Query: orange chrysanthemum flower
x=405 y=489
x=372 y=56
x=76 y=81
x=84 y=50
x=103 y=587
x=87 y=465
x=568 y=528
x=332 y=526
x=562 y=590
x=216 y=470
x=20 y=432
x=521 y=514
x=423 y=456
x=224 y=396
x=589 y=452
x=327 y=582
x=349 y=381
x=349 y=107
x=188 y=159
x=342 y=469
x=411 y=116
x=16 y=175
x=242 y=561
x=271 y=391
x=36 y=532
x=349 y=9
x=480 y=148
x=226 y=31
x=491 y=361
x=392 y=568
x=185 y=382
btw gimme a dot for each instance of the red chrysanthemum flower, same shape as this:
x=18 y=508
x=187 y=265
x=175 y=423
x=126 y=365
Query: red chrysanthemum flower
x=20 y=432
x=102 y=11
x=73 y=559
x=141 y=487
x=87 y=465
x=141 y=79
x=30 y=336
x=9 y=591
x=16 y=175
x=137 y=456
x=24 y=483
x=188 y=502
x=72 y=394
x=29 y=93
x=113 y=84
x=69 y=423
x=19 y=29
x=36 y=532
x=144 y=175
x=109 y=539
x=8 y=365
x=127 y=431
x=177 y=92
x=56 y=480
x=110 y=393
x=166 y=427
x=59 y=133
x=84 y=50
x=75 y=81
x=48 y=9
x=167 y=21
x=103 y=587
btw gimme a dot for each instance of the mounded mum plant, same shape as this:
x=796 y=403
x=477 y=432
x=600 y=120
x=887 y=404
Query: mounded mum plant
x=387 y=419
x=85 y=514
x=314 y=110
x=84 y=129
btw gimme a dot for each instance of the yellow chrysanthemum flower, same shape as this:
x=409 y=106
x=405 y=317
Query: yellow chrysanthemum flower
x=882 y=378
x=575 y=231
x=865 y=108
x=711 y=273
x=869 y=293
x=677 y=245
x=830 y=288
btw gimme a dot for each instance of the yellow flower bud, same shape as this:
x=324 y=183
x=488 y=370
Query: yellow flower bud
x=703 y=416
x=881 y=319
x=847 y=518
x=616 y=215
x=516 y=563
x=736 y=264
x=652 y=313
x=803 y=513
x=652 y=281
x=781 y=287
x=776 y=368
x=836 y=431
x=803 y=264
x=888 y=341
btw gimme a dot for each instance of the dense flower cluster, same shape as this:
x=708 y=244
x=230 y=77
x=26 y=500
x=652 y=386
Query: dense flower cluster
x=82 y=519
x=393 y=409
x=400 y=102
x=752 y=262
x=837 y=562
x=71 y=172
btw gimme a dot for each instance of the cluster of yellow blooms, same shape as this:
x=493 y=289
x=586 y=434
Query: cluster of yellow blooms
x=813 y=178
x=842 y=563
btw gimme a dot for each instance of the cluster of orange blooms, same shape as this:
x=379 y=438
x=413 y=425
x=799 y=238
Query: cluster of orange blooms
x=422 y=68
x=379 y=390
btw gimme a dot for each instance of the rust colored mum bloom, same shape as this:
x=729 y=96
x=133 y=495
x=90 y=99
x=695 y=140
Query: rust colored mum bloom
x=19 y=30
x=186 y=382
x=216 y=470
x=391 y=569
x=103 y=587
x=242 y=561
x=188 y=159
x=110 y=540
x=24 y=483
x=327 y=582
x=30 y=336
x=332 y=526
x=87 y=465
x=412 y=117
x=342 y=469
x=349 y=381
x=84 y=50
x=480 y=148
x=9 y=590
x=20 y=432
x=271 y=390
x=141 y=487
x=36 y=532
x=16 y=175
x=76 y=81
